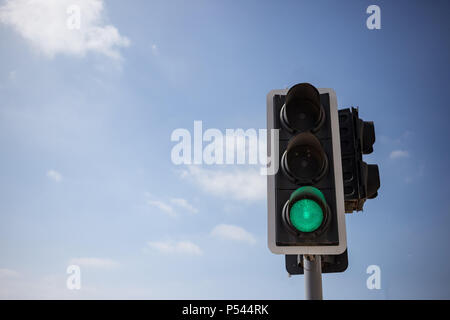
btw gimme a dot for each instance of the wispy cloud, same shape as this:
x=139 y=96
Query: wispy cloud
x=176 y=247
x=404 y=138
x=98 y=263
x=164 y=207
x=54 y=175
x=9 y=273
x=397 y=154
x=13 y=75
x=415 y=174
x=239 y=184
x=155 y=49
x=171 y=206
x=231 y=232
x=184 y=204
x=46 y=25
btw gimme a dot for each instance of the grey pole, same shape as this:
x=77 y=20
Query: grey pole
x=312 y=266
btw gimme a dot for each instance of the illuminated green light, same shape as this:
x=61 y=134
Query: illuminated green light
x=306 y=215
x=308 y=189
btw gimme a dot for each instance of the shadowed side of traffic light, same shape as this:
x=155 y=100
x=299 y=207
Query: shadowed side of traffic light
x=361 y=180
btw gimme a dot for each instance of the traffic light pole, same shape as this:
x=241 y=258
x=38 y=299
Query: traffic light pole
x=312 y=266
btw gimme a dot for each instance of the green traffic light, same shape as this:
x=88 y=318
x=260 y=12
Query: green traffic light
x=305 y=214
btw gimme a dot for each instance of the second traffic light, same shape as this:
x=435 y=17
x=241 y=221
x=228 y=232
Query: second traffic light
x=305 y=197
x=361 y=180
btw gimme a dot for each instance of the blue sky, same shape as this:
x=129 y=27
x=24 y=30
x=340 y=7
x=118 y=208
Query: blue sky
x=86 y=118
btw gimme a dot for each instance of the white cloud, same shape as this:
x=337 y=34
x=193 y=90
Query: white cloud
x=184 y=204
x=168 y=205
x=231 y=232
x=45 y=24
x=396 y=154
x=415 y=174
x=99 y=263
x=8 y=273
x=155 y=49
x=13 y=75
x=162 y=206
x=243 y=184
x=54 y=175
x=176 y=247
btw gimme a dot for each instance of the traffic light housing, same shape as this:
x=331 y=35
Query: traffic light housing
x=361 y=180
x=305 y=196
x=330 y=263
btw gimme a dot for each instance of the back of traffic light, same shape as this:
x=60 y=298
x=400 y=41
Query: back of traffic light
x=361 y=180
x=305 y=197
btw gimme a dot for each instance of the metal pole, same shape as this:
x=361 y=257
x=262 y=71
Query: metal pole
x=312 y=266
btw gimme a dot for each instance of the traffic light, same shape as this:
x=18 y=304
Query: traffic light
x=305 y=196
x=361 y=180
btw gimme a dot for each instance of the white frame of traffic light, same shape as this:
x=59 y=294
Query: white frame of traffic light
x=336 y=143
